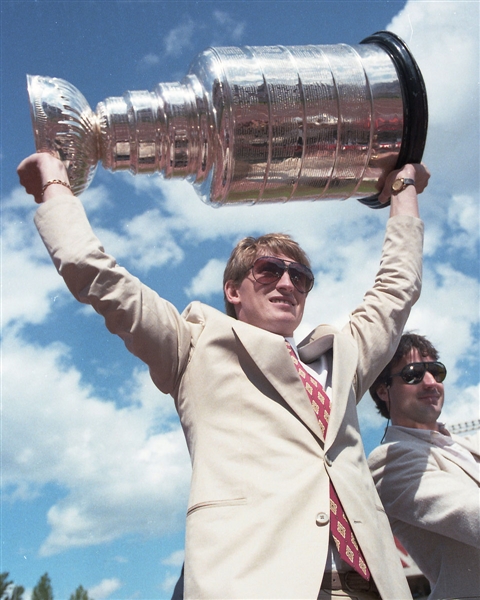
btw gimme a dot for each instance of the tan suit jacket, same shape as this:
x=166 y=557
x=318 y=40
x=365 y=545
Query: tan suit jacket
x=433 y=501
x=259 y=485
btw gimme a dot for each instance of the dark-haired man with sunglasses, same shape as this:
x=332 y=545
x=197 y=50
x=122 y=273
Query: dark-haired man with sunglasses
x=428 y=479
x=269 y=478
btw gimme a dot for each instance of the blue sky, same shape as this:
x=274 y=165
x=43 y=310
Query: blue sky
x=95 y=471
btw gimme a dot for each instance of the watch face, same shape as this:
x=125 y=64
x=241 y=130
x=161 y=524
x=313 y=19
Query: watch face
x=397 y=185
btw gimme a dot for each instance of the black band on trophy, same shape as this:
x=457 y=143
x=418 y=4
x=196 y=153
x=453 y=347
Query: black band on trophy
x=415 y=106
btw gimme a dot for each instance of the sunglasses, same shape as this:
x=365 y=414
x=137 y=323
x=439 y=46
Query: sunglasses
x=414 y=373
x=268 y=269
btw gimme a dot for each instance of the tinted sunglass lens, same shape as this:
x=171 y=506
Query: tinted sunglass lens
x=413 y=374
x=299 y=279
x=438 y=371
x=267 y=270
x=301 y=276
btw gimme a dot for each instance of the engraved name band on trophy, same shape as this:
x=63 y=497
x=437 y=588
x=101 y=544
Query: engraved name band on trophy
x=252 y=124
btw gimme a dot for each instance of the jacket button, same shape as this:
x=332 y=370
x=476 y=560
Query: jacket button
x=328 y=460
x=322 y=519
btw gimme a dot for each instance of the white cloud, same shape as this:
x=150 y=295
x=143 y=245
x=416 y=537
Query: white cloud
x=447 y=52
x=224 y=29
x=28 y=300
x=444 y=39
x=146 y=241
x=30 y=287
x=208 y=281
x=447 y=314
x=121 y=560
x=95 y=198
x=347 y=273
x=179 y=38
x=106 y=458
x=461 y=405
x=149 y=60
x=105 y=588
x=175 y=559
x=464 y=218
x=227 y=26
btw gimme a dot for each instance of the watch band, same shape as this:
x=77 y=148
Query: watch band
x=401 y=183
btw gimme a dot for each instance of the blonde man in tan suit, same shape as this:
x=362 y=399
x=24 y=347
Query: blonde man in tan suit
x=258 y=522
x=428 y=479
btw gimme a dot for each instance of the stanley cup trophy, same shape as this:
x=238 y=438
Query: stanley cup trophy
x=252 y=124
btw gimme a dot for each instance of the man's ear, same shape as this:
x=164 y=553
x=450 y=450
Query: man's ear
x=231 y=292
x=382 y=392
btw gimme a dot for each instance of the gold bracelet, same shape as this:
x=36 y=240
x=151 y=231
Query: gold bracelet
x=55 y=181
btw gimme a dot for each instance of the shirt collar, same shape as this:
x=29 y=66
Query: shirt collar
x=430 y=435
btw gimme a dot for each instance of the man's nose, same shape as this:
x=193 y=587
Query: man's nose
x=285 y=282
x=429 y=379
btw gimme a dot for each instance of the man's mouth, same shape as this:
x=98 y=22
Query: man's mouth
x=431 y=399
x=282 y=301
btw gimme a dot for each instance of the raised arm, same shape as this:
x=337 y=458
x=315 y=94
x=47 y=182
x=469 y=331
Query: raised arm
x=150 y=327
x=378 y=322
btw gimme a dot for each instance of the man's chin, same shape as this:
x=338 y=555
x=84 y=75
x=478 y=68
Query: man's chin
x=284 y=327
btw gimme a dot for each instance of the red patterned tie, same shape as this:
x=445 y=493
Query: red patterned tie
x=341 y=530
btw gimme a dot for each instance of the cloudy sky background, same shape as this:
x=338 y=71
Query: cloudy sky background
x=94 y=468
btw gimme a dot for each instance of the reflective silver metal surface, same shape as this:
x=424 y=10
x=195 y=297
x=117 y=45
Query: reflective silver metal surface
x=246 y=125
x=65 y=125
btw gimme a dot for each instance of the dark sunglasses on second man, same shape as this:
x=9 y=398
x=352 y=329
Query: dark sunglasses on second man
x=414 y=373
x=268 y=269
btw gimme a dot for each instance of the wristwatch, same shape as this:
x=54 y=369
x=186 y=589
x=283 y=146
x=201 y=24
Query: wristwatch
x=400 y=184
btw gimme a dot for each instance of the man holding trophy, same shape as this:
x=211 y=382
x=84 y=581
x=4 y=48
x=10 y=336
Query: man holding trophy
x=282 y=504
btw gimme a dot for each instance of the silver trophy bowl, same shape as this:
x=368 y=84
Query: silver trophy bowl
x=253 y=124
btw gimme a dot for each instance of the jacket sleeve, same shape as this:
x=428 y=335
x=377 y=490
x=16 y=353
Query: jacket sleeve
x=150 y=327
x=415 y=489
x=377 y=324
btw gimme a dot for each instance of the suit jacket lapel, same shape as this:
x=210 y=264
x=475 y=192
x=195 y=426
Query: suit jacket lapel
x=472 y=445
x=270 y=354
x=472 y=469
